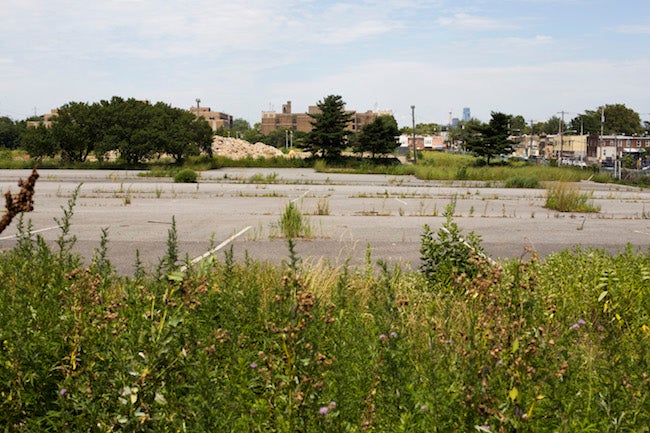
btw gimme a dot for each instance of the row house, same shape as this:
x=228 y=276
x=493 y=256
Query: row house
x=609 y=148
x=272 y=120
x=422 y=142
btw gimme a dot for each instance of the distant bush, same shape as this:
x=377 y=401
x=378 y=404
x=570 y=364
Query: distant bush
x=186 y=175
x=522 y=182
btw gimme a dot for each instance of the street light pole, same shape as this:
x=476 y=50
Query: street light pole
x=415 y=147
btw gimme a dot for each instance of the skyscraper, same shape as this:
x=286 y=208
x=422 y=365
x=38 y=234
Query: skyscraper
x=466 y=114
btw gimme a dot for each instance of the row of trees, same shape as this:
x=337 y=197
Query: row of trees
x=135 y=130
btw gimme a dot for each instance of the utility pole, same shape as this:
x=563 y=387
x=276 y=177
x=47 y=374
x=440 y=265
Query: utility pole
x=531 y=139
x=415 y=147
x=559 y=159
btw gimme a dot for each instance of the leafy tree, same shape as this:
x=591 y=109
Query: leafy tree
x=378 y=137
x=39 y=142
x=422 y=129
x=621 y=120
x=76 y=130
x=328 y=136
x=462 y=133
x=517 y=125
x=551 y=126
x=618 y=120
x=9 y=133
x=492 y=139
x=129 y=129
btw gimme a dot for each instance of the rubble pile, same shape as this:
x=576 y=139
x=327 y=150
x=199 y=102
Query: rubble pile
x=235 y=148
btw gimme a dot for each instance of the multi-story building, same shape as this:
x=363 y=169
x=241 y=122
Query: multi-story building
x=216 y=119
x=272 y=120
x=46 y=119
x=611 y=147
x=466 y=114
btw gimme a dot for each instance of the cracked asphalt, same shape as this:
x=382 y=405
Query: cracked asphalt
x=350 y=217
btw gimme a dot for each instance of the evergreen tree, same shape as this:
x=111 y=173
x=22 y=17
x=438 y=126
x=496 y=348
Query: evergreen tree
x=328 y=136
x=378 y=137
x=492 y=139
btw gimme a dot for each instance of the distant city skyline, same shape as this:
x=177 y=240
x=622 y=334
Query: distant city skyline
x=533 y=58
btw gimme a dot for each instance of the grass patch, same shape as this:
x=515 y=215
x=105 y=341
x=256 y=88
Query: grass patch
x=565 y=197
x=293 y=224
x=522 y=182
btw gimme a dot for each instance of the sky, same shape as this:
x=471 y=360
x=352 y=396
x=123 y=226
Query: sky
x=535 y=58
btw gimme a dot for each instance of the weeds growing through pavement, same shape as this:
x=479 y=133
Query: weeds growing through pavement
x=565 y=197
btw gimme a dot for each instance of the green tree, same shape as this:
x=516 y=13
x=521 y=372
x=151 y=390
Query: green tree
x=9 y=133
x=38 y=142
x=129 y=130
x=492 y=139
x=379 y=136
x=518 y=125
x=621 y=120
x=328 y=136
x=463 y=132
x=75 y=130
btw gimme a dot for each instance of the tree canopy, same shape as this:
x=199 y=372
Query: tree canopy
x=489 y=140
x=379 y=136
x=135 y=130
x=328 y=136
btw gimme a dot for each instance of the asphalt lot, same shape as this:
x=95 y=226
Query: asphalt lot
x=383 y=215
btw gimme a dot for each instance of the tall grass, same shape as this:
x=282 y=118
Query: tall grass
x=566 y=197
x=524 y=345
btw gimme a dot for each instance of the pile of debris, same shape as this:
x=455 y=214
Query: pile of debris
x=235 y=148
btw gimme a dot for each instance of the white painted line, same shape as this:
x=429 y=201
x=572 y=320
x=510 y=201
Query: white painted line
x=33 y=231
x=217 y=248
x=299 y=198
x=401 y=201
x=641 y=233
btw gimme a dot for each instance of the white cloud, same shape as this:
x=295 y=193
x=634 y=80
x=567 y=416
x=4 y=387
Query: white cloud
x=633 y=29
x=465 y=21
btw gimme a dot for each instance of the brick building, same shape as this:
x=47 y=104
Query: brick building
x=272 y=120
x=216 y=119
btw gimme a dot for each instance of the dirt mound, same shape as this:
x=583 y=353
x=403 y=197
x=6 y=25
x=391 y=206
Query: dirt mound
x=237 y=149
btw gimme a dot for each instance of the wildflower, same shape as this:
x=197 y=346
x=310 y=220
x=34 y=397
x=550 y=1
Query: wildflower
x=63 y=392
x=383 y=337
x=253 y=365
x=324 y=410
x=424 y=408
x=393 y=334
x=332 y=405
x=578 y=324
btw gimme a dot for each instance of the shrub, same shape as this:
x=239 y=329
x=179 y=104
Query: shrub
x=186 y=175
x=449 y=254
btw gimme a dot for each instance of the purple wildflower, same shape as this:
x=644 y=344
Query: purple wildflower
x=424 y=408
x=393 y=334
x=581 y=322
x=383 y=337
x=63 y=392
x=324 y=410
x=253 y=365
x=332 y=405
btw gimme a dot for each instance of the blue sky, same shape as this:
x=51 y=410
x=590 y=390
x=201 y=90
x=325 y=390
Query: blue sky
x=529 y=57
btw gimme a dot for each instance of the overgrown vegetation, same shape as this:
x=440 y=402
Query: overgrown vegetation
x=187 y=175
x=554 y=346
x=566 y=197
x=293 y=224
